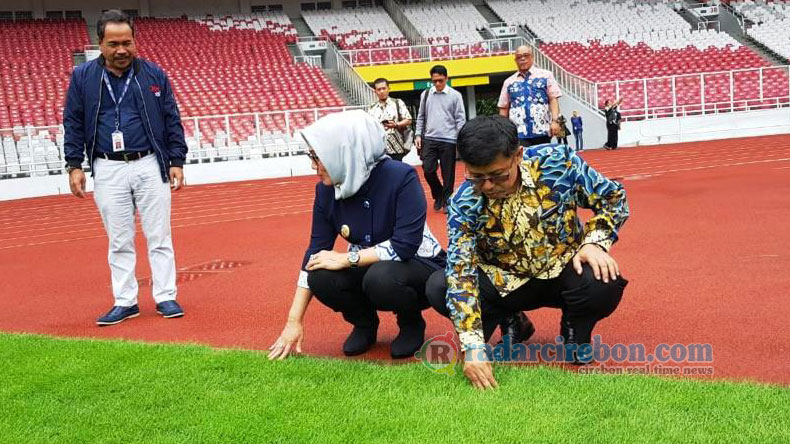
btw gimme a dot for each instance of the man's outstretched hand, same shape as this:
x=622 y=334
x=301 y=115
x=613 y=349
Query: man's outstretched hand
x=478 y=370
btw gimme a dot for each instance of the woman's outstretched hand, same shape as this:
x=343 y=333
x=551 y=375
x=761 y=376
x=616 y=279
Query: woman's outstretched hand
x=289 y=342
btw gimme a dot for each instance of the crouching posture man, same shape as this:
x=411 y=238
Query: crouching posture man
x=516 y=242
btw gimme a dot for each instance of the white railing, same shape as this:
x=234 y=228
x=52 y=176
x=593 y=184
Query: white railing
x=700 y=93
x=38 y=151
x=350 y=80
x=312 y=60
x=708 y=24
x=429 y=53
x=576 y=86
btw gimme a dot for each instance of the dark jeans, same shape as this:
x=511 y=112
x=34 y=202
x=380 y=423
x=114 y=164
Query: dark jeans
x=433 y=153
x=358 y=292
x=611 y=138
x=583 y=300
x=534 y=141
x=579 y=140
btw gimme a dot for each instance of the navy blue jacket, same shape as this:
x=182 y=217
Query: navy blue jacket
x=156 y=104
x=390 y=206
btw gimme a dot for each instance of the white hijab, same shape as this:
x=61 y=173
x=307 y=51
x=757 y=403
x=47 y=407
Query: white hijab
x=349 y=144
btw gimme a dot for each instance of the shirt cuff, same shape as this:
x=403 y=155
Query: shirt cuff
x=385 y=252
x=177 y=162
x=302 y=281
x=471 y=340
x=74 y=163
x=601 y=238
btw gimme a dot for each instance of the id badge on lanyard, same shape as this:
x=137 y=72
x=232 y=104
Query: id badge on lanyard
x=117 y=135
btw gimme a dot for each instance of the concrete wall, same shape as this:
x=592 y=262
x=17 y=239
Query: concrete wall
x=709 y=127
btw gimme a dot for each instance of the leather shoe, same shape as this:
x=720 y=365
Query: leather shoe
x=568 y=333
x=518 y=327
x=169 y=309
x=118 y=314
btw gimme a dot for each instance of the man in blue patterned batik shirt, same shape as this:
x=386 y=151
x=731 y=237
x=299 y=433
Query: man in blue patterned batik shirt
x=516 y=241
x=530 y=99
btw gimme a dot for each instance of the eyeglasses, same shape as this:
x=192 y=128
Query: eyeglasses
x=478 y=181
x=313 y=156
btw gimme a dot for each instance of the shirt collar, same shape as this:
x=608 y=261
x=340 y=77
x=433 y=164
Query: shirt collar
x=529 y=71
x=444 y=91
x=123 y=75
x=526 y=174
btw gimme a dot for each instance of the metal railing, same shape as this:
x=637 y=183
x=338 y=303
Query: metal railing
x=708 y=24
x=428 y=53
x=578 y=87
x=350 y=80
x=312 y=60
x=38 y=151
x=700 y=93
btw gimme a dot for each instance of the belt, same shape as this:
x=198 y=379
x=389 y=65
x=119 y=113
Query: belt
x=126 y=157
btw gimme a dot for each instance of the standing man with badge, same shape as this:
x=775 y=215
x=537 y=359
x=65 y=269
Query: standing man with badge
x=121 y=112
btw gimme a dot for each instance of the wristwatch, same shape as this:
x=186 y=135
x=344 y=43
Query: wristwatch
x=70 y=168
x=353 y=259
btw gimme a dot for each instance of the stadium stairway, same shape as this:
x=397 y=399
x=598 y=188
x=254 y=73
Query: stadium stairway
x=730 y=25
x=301 y=27
x=488 y=13
x=334 y=79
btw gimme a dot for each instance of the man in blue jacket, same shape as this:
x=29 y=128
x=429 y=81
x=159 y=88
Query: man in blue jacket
x=121 y=111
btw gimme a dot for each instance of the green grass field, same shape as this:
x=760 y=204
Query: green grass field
x=80 y=391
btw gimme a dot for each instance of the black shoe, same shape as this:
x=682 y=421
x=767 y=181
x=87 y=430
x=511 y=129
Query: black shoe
x=360 y=340
x=169 y=309
x=437 y=205
x=568 y=333
x=118 y=314
x=518 y=327
x=410 y=338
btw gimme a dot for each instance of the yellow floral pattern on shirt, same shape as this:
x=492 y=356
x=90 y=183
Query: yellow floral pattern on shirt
x=532 y=233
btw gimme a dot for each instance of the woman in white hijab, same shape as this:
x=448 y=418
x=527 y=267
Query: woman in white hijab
x=379 y=207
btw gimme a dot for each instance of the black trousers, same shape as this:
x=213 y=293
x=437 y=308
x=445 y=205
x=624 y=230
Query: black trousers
x=611 y=136
x=583 y=300
x=562 y=140
x=387 y=286
x=433 y=153
x=535 y=141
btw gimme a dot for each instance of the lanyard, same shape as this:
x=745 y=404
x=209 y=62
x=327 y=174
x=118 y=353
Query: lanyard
x=120 y=99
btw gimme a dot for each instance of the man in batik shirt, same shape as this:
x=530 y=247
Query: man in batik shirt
x=530 y=99
x=516 y=242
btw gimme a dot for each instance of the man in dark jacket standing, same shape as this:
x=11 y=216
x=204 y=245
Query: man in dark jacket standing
x=121 y=112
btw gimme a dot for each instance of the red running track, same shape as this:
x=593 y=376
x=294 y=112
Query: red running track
x=705 y=251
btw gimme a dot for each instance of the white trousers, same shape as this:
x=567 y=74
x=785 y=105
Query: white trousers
x=120 y=188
